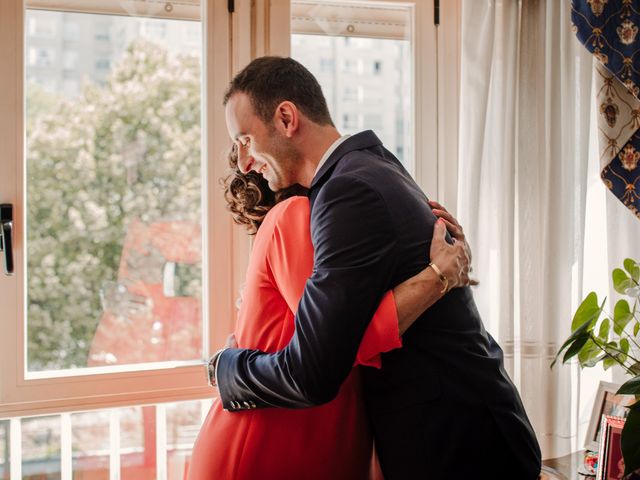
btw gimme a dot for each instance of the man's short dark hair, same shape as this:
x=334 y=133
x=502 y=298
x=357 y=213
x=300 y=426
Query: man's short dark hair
x=268 y=81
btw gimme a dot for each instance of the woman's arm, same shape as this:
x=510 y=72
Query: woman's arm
x=291 y=263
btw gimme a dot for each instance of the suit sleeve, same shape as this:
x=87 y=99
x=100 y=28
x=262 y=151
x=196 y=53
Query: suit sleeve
x=291 y=264
x=354 y=260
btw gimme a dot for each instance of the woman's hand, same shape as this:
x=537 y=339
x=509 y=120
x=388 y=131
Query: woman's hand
x=450 y=260
x=457 y=233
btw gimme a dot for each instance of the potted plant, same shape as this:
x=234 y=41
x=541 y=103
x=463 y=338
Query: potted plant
x=599 y=337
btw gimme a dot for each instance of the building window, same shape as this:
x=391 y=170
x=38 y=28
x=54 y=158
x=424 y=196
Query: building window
x=154 y=29
x=102 y=32
x=350 y=122
x=350 y=65
x=350 y=93
x=41 y=57
x=71 y=31
x=327 y=65
x=103 y=64
x=70 y=60
x=41 y=26
x=377 y=67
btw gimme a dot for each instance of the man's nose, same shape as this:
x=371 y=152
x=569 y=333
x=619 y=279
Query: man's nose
x=245 y=161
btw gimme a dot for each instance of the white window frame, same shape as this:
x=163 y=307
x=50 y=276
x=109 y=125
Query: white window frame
x=226 y=249
x=257 y=27
x=436 y=60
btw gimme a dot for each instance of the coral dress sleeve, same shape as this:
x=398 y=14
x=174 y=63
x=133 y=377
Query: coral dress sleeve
x=290 y=258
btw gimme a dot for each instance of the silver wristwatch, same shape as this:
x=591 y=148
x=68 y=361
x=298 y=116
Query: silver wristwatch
x=211 y=368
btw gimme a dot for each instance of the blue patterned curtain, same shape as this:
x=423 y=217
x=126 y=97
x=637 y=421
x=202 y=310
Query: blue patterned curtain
x=609 y=30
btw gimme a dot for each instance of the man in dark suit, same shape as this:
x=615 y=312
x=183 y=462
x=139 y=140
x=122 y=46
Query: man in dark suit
x=442 y=406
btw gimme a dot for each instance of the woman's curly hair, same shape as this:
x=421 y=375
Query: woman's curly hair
x=248 y=195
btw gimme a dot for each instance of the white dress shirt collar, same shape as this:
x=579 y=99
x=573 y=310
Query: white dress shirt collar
x=329 y=151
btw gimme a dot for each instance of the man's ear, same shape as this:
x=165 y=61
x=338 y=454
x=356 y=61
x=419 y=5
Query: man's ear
x=286 y=118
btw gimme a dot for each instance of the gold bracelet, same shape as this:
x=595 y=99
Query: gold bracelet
x=444 y=280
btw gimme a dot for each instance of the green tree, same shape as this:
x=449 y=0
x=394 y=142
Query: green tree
x=126 y=150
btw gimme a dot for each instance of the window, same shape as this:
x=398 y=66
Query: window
x=103 y=64
x=71 y=31
x=137 y=443
x=70 y=60
x=122 y=229
x=127 y=205
x=102 y=31
x=350 y=93
x=350 y=122
x=359 y=92
x=41 y=56
x=5 y=470
x=71 y=374
x=350 y=65
x=41 y=26
x=399 y=72
x=155 y=29
x=327 y=64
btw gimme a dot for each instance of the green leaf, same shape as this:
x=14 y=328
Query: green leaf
x=624 y=345
x=621 y=281
x=583 y=321
x=636 y=328
x=630 y=387
x=609 y=362
x=588 y=353
x=612 y=358
x=587 y=312
x=621 y=316
x=575 y=347
x=633 y=268
x=603 y=333
x=611 y=347
x=630 y=440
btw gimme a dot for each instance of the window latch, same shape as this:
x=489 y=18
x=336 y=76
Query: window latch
x=6 y=236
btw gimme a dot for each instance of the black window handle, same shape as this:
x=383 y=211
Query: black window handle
x=6 y=236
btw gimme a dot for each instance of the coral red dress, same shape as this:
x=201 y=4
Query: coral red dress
x=332 y=441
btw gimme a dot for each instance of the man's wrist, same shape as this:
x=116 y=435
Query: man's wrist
x=212 y=368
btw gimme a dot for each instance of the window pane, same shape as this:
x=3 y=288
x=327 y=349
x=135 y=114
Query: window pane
x=367 y=80
x=91 y=449
x=138 y=443
x=90 y=445
x=183 y=424
x=4 y=450
x=41 y=448
x=113 y=190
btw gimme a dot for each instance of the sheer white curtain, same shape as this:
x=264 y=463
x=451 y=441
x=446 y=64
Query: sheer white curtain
x=531 y=202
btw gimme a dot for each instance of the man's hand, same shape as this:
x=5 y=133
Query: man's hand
x=452 y=260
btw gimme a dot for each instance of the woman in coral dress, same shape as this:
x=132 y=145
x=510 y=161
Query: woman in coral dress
x=332 y=441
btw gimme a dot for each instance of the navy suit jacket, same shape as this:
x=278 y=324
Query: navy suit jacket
x=371 y=228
